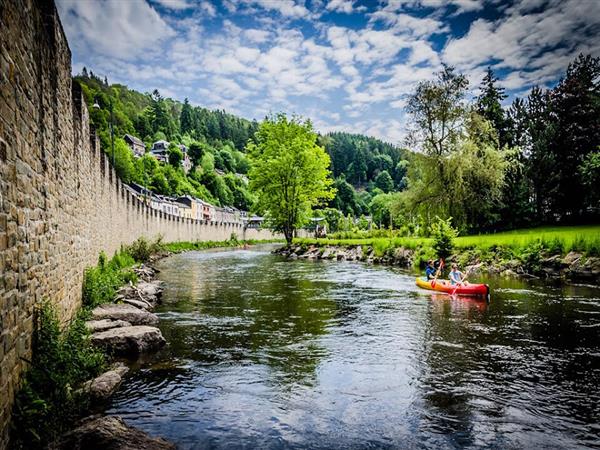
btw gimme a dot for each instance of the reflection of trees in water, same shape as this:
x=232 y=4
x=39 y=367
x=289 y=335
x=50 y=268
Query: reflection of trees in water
x=267 y=313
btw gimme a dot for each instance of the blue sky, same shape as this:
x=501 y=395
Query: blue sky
x=345 y=64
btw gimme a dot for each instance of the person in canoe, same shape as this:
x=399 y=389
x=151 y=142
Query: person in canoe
x=430 y=270
x=456 y=276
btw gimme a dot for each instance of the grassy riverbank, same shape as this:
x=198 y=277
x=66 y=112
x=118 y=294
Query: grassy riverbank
x=527 y=246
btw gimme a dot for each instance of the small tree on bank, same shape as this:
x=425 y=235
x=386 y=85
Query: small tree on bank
x=289 y=172
x=443 y=235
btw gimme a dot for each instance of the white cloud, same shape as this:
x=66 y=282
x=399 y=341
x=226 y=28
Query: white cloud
x=528 y=38
x=113 y=27
x=341 y=6
x=287 y=8
x=174 y=4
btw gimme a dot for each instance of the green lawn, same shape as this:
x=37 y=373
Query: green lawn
x=582 y=238
x=560 y=239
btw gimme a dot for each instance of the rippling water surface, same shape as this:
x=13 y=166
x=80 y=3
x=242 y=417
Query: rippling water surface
x=269 y=353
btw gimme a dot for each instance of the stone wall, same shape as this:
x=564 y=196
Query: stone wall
x=60 y=201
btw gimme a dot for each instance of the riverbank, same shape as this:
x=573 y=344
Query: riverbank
x=77 y=367
x=535 y=258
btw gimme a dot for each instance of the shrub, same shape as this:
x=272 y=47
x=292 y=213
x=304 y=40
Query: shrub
x=48 y=400
x=141 y=249
x=443 y=235
x=101 y=283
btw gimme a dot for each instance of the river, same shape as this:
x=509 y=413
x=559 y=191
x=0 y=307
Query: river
x=270 y=353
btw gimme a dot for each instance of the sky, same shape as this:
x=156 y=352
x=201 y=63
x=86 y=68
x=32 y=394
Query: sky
x=348 y=65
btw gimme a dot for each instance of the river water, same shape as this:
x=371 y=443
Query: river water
x=265 y=353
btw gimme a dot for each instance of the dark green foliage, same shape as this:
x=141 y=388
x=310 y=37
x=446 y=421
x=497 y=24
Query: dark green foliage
x=489 y=105
x=48 y=401
x=589 y=170
x=175 y=156
x=196 y=152
x=141 y=249
x=360 y=158
x=443 y=235
x=384 y=181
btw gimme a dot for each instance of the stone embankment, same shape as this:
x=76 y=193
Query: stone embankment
x=572 y=267
x=125 y=329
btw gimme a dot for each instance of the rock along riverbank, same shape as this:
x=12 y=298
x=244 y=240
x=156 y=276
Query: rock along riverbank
x=573 y=266
x=125 y=329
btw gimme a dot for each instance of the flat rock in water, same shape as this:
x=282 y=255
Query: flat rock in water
x=129 y=341
x=138 y=304
x=105 y=324
x=103 y=386
x=110 y=433
x=127 y=313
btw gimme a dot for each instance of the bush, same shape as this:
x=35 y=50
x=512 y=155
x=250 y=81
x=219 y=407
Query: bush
x=100 y=283
x=141 y=249
x=443 y=235
x=48 y=401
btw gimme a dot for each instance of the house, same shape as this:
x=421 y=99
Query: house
x=138 y=148
x=169 y=206
x=195 y=206
x=160 y=150
x=208 y=211
x=145 y=195
x=255 y=222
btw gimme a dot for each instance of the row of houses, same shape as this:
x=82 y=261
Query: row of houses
x=160 y=150
x=189 y=207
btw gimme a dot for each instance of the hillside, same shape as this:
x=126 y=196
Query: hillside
x=217 y=141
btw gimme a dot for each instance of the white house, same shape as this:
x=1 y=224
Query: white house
x=160 y=150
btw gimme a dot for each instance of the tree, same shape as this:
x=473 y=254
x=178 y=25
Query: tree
x=590 y=176
x=489 y=105
x=175 y=156
x=438 y=111
x=186 y=121
x=345 y=197
x=576 y=106
x=124 y=161
x=460 y=172
x=196 y=152
x=443 y=235
x=384 y=181
x=290 y=172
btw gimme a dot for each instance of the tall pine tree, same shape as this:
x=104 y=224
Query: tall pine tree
x=489 y=105
x=186 y=120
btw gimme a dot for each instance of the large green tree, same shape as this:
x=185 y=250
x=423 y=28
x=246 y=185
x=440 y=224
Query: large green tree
x=289 y=172
x=460 y=171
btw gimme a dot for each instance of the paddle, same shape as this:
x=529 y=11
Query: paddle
x=437 y=273
x=461 y=283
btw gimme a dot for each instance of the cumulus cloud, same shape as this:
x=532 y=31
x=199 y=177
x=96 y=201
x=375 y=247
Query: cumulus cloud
x=113 y=27
x=529 y=37
x=342 y=6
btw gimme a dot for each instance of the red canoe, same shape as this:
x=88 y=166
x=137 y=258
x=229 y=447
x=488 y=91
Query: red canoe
x=477 y=290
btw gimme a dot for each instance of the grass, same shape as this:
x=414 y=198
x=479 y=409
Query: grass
x=555 y=240
x=585 y=238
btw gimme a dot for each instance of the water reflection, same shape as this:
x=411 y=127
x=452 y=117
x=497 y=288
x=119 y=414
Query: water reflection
x=270 y=353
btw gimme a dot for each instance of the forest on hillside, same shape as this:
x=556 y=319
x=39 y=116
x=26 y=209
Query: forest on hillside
x=217 y=140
